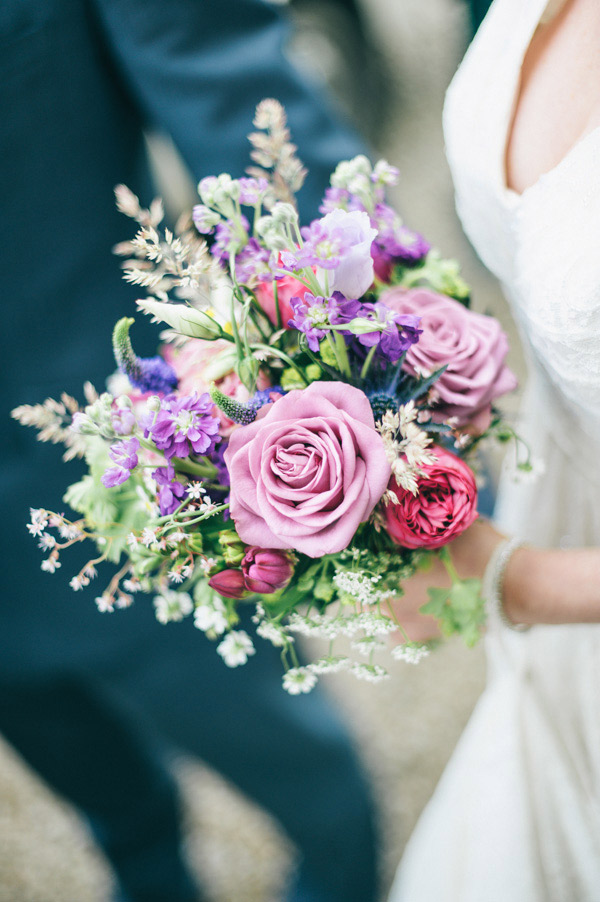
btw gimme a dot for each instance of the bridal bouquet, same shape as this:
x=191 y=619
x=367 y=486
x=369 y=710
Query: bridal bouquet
x=304 y=441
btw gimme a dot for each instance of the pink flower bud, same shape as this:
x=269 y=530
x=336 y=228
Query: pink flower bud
x=266 y=570
x=229 y=583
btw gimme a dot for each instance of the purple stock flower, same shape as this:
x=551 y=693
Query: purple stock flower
x=252 y=260
x=183 y=425
x=124 y=454
x=228 y=237
x=312 y=313
x=402 y=330
x=171 y=492
x=322 y=247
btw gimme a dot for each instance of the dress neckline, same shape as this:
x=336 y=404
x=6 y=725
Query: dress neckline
x=513 y=97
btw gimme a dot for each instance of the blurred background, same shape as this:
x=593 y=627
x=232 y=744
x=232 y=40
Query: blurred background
x=388 y=63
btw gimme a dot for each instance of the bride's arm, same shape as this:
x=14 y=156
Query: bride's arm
x=538 y=586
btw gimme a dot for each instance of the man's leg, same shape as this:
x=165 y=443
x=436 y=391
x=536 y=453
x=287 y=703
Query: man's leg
x=92 y=753
x=291 y=754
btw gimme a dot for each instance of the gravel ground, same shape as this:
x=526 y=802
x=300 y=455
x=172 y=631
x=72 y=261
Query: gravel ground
x=405 y=728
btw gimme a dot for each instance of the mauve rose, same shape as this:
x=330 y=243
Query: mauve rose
x=473 y=347
x=287 y=288
x=308 y=470
x=266 y=569
x=445 y=506
x=229 y=583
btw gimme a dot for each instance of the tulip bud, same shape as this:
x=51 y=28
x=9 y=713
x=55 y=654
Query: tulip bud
x=266 y=570
x=229 y=583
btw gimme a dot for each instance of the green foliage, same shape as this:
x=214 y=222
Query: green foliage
x=112 y=513
x=459 y=609
x=440 y=275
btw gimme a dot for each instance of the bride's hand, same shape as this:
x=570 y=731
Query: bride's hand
x=539 y=585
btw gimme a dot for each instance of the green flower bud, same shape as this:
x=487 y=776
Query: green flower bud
x=232 y=546
x=184 y=319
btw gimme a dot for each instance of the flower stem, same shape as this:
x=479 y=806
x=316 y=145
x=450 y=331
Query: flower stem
x=367 y=363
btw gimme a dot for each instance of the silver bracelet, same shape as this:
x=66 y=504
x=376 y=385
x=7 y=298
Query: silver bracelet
x=493 y=579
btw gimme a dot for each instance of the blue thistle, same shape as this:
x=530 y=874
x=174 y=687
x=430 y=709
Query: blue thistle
x=148 y=374
x=381 y=402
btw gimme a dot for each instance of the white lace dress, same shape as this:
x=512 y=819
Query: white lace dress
x=516 y=815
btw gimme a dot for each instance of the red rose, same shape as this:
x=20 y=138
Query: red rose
x=445 y=506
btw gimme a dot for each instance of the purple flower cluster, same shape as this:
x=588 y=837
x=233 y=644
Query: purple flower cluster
x=312 y=313
x=152 y=374
x=124 y=454
x=228 y=238
x=253 y=260
x=401 y=330
x=183 y=424
x=171 y=492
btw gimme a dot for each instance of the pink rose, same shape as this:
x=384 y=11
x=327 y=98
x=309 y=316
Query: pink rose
x=445 y=506
x=266 y=569
x=307 y=471
x=287 y=288
x=471 y=345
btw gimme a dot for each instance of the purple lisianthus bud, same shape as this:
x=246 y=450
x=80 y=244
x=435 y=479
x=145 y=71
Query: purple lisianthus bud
x=229 y=583
x=123 y=420
x=205 y=219
x=266 y=570
x=252 y=191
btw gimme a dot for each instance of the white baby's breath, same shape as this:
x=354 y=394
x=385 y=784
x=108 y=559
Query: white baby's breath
x=236 y=648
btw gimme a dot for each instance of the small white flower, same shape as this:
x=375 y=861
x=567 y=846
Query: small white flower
x=206 y=564
x=132 y=585
x=211 y=617
x=367 y=645
x=195 y=490
x=273 y=634
x=51 y=564
x=299 y=680
x=176 y=576
x=78 y=583
x=148 y=537
x=46 y=542
x=174 y=538
x=529 y=471
x=132 y=540
x=410 y=652
x=105 y=604
x=124 y=601
x=330 y=664
x=235 y=648
x=372 y=673
x=172 y=606
x=69 y=531
x=39 y=521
